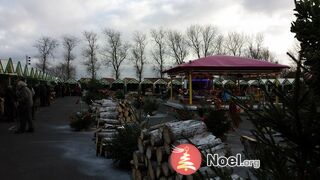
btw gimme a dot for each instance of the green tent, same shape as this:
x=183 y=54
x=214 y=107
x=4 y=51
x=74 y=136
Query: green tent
x=71 y=81
x=132 y=81
x=36 y=74
x=176 y=82
x=217 y=82
x=146 y=81
x=26 y=71
x=244 y=82
x=118 y=81
x=32 y=73
x=19 y=70
x=228 y=82
x=1 y=68
x=160 y=81
x=9 y=68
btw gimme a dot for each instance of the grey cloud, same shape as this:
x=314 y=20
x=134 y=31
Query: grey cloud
x=266 y=6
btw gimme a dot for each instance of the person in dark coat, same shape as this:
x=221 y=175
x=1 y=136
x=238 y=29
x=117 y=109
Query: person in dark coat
x=25 y=103
x=10 y=108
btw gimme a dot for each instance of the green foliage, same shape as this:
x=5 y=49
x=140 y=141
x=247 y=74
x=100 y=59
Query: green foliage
x=306 y=27
x=119 y=94
x=93 y=95
x=93 y=92
x=124 y=144
x=217 y=122
x=184 y=114
x=94 y=85
x=150 y=105
x=81 y=121
x=295 y=152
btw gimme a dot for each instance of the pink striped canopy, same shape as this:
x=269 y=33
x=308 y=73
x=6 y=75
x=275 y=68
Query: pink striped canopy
x=228 y=65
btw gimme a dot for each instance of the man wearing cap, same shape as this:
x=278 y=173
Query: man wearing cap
x=25 y=102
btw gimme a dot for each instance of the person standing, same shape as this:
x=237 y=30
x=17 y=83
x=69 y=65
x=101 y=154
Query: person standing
x=25 y=103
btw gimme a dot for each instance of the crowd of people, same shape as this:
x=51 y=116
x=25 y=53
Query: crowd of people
x=18 y=103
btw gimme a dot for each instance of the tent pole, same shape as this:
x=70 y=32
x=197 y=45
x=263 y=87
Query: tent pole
x=190 y=88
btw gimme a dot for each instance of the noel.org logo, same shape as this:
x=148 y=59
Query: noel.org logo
x=185 y=159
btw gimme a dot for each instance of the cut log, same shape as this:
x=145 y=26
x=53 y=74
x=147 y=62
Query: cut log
x=140 y=145
x=165 y=168
x=160 y=152
x=137 y=174
x=182 y=129
x=126 y=113
x=138 y=159
x=158 y=171
x=167 y=148
x=151 y=174
x=110 y=126
x=110 y=121
x=144 y=134
x=178 y=177
x=109 y=115
x=150 y=152
x=108 y=104
x=107 y=109
x=156 y=137
x=106 y=134
x=201 y=141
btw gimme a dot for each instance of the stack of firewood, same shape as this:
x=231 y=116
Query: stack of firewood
x=108 y=121
x=150 y=161
x=126 y=112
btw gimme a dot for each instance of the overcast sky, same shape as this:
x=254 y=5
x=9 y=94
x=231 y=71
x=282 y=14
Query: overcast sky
x=22 y=22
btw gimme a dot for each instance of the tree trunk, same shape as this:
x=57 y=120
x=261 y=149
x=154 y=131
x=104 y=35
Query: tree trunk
x=182 y=129
x=156 y=137
x=201 y=141
x=109 y=115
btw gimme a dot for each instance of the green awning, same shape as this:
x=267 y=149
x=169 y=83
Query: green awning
x=32 y=72
x=217 y=82
x=104 y=82
x=9 y=68
x=132 y=81
x=228 y=82
x=26 y=71
x=244 y=82
x=160 y=81
x=71 y=81
x=19 y=70
x=118 y=81
x=1 y=68
x=146 y=81
x=175 y=82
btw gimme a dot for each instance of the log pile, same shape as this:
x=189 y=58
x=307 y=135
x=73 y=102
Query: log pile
x=126 y=112
x=108 y=119
x=150 y=161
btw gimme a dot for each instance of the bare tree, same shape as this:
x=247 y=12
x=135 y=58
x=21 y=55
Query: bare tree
x=219 y=47
x=158 y=36
x=69 y=43
x=60 y=71
x=256 y=50
x=235 y=43
x=210 y=43
x=194 y=38
x=45 y=46
x=116 y=50
x=177 y=46
x=91 y=52
x=138 y=53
